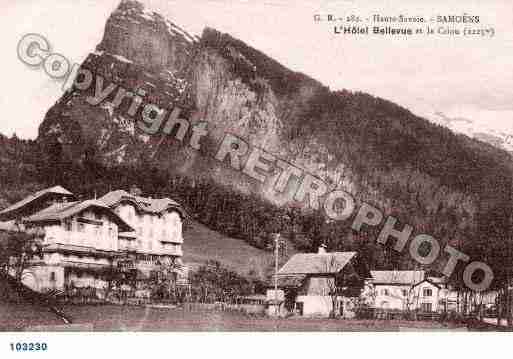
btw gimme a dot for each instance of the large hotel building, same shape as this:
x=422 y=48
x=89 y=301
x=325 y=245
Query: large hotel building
x=83 y=241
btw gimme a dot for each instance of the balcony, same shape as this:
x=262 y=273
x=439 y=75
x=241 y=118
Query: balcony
x=132 y=247
x=170 y=239
x=171 y=251
x=79 y=250
x=85 y=265
x=101 y=243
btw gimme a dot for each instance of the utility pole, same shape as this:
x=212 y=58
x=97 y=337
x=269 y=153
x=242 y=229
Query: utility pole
x=276 y=258
x=507 y=293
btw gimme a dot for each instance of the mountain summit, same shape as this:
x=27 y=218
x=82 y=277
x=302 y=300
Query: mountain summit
x=442 y=183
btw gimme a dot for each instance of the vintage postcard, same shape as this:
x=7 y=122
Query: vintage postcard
x=256 y=166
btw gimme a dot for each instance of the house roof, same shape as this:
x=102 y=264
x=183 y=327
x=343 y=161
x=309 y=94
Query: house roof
x=437 y=282
x=409 y=277
x=60 y=211
x=145 y=204
x=316 y=263
x=36 y=196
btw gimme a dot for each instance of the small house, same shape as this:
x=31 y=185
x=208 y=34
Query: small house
x=434 y=294
x=322 y=278
x=391 y=289
x=428 y=296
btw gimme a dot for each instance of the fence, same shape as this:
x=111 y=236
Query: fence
x=395 y=314
x=252 y=309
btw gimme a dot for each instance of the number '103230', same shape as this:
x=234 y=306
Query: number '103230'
x=29 y=347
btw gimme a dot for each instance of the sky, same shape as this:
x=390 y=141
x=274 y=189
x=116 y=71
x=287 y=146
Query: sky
x=463 y=83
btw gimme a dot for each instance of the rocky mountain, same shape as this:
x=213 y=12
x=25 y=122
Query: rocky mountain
x=439 y=182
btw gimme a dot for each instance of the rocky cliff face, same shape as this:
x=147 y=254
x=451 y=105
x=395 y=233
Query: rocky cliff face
x=235 y=88
x=372 y=148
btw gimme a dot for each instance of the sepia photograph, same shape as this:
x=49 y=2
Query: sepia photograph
x=237 y=166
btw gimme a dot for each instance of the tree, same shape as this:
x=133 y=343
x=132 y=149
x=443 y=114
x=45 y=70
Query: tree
x=165 y=284
x=17 y=251
x=334 y=282
x=114 y=276
x=213 y=282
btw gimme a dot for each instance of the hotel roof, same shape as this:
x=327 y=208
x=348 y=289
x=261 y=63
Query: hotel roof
x=60 y=211
x=33 y=197
x=144 y=204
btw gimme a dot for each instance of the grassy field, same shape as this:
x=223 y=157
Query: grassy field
x=201 y=244
x=19 y=316
x=130 y=318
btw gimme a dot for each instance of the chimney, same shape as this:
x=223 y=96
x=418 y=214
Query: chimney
x=135 y=191
x=322 y=249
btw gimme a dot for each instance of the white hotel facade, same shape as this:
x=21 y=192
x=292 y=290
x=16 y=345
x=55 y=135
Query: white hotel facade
x=83 y=241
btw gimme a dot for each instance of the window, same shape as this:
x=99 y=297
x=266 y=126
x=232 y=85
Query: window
x=426 y=307
x=405 y=293
x=81 y=227
x=52 y=276
x=67 y=225
x=427 y=292
x=384 y=292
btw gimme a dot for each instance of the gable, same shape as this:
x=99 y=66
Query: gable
x=426 y=283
